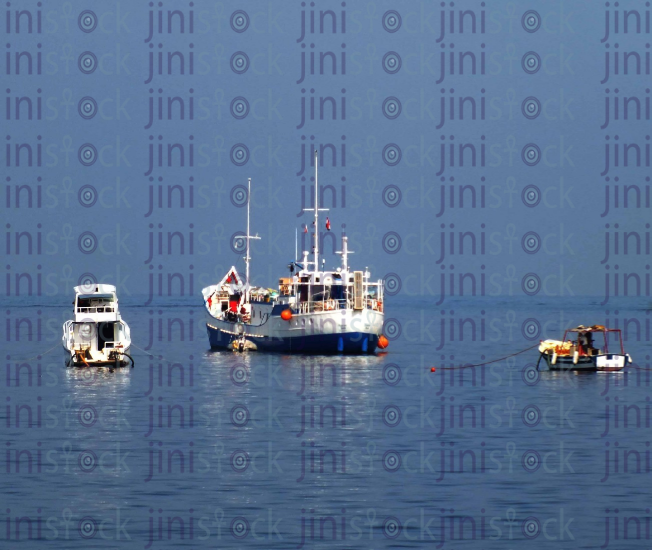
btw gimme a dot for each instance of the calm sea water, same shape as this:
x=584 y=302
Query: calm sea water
x=225 y=450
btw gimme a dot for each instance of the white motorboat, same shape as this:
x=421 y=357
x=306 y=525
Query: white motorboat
x=97 y=336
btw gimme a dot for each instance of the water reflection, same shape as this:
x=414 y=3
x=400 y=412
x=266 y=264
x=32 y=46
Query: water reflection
x=110 y=381
x=256 y=435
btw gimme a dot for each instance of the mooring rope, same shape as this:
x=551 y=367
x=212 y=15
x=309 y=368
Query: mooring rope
x=157 y=357
x=638 y=368
x=35 y=356
x=487 y=362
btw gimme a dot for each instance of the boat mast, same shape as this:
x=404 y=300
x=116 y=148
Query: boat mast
x=316 y=222
x=249 y=237
x=248 y=257
x=316 y=217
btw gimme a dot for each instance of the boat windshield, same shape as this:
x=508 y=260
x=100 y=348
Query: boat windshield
x=96 y=303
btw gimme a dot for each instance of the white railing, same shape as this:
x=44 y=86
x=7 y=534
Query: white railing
x=113 y=345
x=334 y=305
x=320 y=305
x=105 y=309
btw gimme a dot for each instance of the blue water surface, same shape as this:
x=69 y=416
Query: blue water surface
x=498 y=456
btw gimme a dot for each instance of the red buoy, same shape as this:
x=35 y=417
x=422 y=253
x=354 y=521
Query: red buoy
x=286 y=314
x=383 y=342
x=432 y=369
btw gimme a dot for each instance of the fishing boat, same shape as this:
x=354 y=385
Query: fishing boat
x=576 y=350
x=97 y=336
x=314 y=311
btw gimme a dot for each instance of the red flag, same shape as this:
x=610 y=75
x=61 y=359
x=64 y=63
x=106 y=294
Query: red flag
x=305 y=229
x=328 y=224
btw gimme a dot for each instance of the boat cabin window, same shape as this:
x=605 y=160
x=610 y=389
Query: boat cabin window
x=319 y=293
x=97 y=302
x=337 y=292
x=303 y=292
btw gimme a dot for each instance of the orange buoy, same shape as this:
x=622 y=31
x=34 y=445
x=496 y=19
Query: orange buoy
x=383 y=342
x=432 y=369
x=286 y=314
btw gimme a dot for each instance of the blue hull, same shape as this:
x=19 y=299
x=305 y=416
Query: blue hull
x=350 y=342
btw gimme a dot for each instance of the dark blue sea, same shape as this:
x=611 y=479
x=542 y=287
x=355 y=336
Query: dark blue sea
x=199 y=449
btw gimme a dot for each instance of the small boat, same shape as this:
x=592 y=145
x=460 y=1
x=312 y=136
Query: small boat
x=97 y=336
x=314 y=310
x=576 y=350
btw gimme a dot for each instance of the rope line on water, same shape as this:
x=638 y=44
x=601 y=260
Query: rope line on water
x=638 y=368
x=34 y=356
x=157 y=357
x=488 y=362
x=518 y=353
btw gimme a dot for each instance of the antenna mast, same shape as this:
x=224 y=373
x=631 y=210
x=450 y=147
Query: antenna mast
x=249 y=237
x=345 y=253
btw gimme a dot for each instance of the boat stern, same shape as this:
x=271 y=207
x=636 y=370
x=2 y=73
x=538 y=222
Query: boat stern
x=610 y=362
